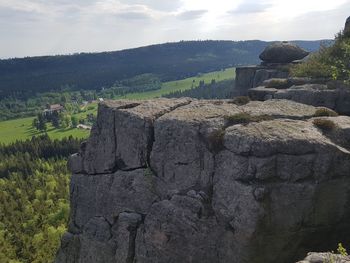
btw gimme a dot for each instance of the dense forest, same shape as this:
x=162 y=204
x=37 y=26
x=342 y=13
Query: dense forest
x=93 y=71
x=34 y=198
x=214 y=90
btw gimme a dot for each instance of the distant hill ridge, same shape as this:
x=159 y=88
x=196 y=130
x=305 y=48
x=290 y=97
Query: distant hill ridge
x=96 y=70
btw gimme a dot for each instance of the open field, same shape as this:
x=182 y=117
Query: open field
x=183 y=84
x=21 y=129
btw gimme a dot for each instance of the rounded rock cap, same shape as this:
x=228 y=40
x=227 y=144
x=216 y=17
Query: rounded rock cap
x=282 y=52
x=347 y=23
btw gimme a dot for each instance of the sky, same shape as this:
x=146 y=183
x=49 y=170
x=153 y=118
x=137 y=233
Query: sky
x=49 y=27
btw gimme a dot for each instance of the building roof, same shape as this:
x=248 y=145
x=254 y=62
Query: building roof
x=56 y=107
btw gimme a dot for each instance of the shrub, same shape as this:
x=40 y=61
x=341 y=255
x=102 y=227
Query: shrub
x=324 y=124
x=314 y=67
x=341 y=250
x=245 y=118
x=324 y=112
x=330 y=62
x=241 y=100
x=216 y=140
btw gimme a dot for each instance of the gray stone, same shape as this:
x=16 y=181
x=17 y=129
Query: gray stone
x=268 y=190
x=111 y=194
x=325 y=257
x=253 y=76
x=282 y=52
x=337 y=99
x=347 y=25
x=264 y=74
x=125 y=232
x=122 y=137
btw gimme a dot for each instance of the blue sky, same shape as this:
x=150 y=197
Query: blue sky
x=46 y=27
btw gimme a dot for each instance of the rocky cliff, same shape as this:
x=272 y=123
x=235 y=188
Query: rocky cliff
x=208 y=181
x=333 y=95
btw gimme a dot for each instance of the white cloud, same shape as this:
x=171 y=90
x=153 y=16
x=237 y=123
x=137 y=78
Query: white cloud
x=192 y=14
x=34 y=27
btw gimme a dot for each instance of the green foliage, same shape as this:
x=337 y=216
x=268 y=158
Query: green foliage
x=215 y=90
x=27 y=157
x=34 y=216
x=34 y=198
x=315 y=67
x=325 y=112
x=324 y=124
x=341 y=250
x=330 y=62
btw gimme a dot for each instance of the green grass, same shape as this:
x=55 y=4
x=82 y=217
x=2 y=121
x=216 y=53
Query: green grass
x=183 y=84
x=21 y=129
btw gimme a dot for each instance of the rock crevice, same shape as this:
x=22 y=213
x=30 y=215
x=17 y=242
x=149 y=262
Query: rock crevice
x=169 y=181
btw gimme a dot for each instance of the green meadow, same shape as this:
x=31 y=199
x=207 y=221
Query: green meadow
x=184 y=84
x=21 y=129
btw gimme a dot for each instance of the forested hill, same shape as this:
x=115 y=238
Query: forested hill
x=95 y=70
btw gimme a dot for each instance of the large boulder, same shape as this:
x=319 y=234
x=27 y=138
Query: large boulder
x=282 y=52
x=220 y=182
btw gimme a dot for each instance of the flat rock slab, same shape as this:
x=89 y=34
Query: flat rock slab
x=337 y=99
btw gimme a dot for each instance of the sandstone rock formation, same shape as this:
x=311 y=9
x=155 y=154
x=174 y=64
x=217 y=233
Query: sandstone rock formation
x=347 y=25
x=208 y=181
x=253 y=76
x=282 y=52
x=325 y=258
x=277 y=58
x=336 y=97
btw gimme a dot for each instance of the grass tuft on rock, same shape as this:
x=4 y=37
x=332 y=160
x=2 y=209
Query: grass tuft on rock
x=324 y=124
x=325 y=112
x=216 y=140
x=240 y=100
x=245 y=118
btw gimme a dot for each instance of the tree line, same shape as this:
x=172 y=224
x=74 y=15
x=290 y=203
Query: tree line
x=170 y=61
x=214 y=90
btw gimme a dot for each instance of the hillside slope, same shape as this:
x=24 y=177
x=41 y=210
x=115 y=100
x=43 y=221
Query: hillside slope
x=170 y=61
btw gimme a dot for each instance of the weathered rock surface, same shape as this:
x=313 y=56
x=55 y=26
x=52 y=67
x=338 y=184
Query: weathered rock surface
x=324 y=258
x=282 y=52
x=347 y=25
x=253 y=76
x=177 y=181
x=337 y=99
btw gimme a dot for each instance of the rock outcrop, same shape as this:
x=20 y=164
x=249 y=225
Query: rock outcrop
x=283 y=52
x=325 y=258
x=333 y=96
x=347 y=25
x=277 y=59
x=208 y=181
x=253 y=76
